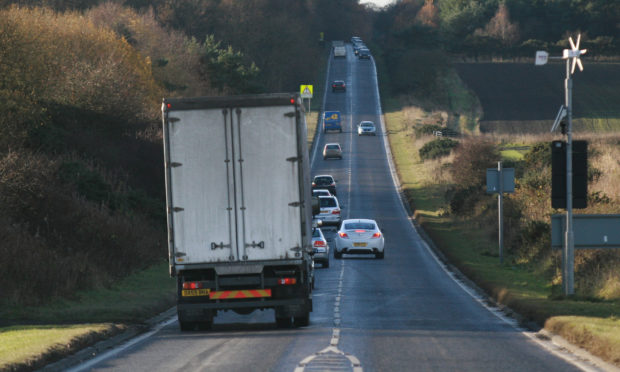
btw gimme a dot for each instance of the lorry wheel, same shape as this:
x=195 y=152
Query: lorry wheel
x=205 y=326
x=284 y=322
x=302 y=321
x=186 y=326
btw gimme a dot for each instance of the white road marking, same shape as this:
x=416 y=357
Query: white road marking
x=101 y=357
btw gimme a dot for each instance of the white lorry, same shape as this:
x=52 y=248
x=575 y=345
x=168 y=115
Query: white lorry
x=239 y=207
x=340 y=51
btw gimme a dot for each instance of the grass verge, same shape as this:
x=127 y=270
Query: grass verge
x=590 y=324
x=31 y=336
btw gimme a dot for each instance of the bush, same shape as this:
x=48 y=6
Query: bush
x=437 y=148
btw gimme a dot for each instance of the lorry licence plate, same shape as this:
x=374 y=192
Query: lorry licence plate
x=359 y=244
x=195 y=292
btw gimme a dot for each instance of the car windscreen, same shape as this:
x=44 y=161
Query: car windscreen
x=367 y=125
x=359 y=226
x=323 y=181
x=328 y=202
x=333 y=147
x=316 y=233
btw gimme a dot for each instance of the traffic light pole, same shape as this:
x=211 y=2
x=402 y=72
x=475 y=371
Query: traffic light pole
x=568 y=276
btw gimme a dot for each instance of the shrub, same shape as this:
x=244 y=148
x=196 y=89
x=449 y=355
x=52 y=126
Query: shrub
x=437 y=148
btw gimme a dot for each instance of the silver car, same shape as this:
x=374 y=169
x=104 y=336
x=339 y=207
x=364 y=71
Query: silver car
x=332 y=150
x=366 y=128
x=330 y=210
x=359 y=236
x=320 y=247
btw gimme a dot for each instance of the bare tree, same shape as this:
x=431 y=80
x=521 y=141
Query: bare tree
x=500 y=27
x=428 y=14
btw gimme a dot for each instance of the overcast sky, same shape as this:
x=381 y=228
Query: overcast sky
x=380 y=3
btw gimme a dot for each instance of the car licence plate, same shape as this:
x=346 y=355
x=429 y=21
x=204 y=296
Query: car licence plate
x=195 y=292
x=359 y=244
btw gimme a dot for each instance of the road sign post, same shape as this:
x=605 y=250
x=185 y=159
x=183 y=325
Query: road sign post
x=306 y=92
x=499 y=181
x=573 y=54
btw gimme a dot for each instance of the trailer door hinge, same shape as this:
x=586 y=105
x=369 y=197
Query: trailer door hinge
x=215 y=246
x=180 y=254
x=178 y=209
x=254 y=244
x=290 y=114
x=172 y=119
x=294 y=204
x=293 y=159
x=174 y=165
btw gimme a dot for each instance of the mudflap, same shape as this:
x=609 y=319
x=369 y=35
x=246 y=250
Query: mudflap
x=190 y=319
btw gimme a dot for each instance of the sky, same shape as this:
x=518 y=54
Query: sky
x=379 y=3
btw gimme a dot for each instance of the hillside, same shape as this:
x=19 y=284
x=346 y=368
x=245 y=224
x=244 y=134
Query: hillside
x=518 y=97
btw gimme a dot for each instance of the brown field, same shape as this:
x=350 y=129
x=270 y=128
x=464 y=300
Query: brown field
x=521 y=97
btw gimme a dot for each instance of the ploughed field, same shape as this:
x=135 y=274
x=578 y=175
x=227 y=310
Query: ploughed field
x=521 y=97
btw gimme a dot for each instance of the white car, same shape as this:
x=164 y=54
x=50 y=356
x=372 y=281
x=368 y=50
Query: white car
x=359 y=236
x=321 y=192
x=330 y=210
x=366 y=128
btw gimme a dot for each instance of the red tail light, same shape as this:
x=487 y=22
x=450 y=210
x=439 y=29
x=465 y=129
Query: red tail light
x=319 y=243
x=313 y=184
x=287 y=281
x=376 y=235
x=336 y=211
x=192 y=285
x=360 y=231
x=343 y=235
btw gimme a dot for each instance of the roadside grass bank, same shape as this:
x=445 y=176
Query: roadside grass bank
x=471 y=245
x=33 y=336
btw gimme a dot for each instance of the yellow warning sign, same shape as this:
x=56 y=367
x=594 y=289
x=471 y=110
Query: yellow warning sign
x=306 y=91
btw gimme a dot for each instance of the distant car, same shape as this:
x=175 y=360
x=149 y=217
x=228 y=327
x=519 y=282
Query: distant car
x=339 y=85
x=324 y=181
x=363 y=54
x=366 y=128
x=332 y=150
x=359 y=236
x=320 y=247
x=321 y=192
x=356 y=39
x=340 y=51
x=330 y=210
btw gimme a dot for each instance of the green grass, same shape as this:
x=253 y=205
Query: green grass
x=473 y=250
x=130 y=300
x=65 y=324
x=19 y=344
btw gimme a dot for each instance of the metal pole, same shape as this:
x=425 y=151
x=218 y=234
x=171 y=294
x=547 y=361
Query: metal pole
x=569 y=249
x=500 y=207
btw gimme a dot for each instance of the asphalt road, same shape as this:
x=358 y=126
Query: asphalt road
x=402 y=313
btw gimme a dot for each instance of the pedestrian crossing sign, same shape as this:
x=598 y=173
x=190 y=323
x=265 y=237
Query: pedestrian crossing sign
x=306 y=91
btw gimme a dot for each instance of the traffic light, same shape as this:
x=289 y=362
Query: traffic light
x=558 y=174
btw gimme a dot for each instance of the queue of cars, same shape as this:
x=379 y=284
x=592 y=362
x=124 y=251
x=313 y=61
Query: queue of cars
x=354 y=236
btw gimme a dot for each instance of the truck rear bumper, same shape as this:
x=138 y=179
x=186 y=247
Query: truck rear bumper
x=257 y=304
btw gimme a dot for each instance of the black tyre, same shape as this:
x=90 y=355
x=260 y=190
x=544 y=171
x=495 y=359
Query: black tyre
x=186 y=326
x=337 y=254
x=302 y=321
x=379 y=255
x=326 y=264
x=284 y=322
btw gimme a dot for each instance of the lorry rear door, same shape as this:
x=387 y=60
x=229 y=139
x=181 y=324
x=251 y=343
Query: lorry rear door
x=267 y=177
x=201 y=186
